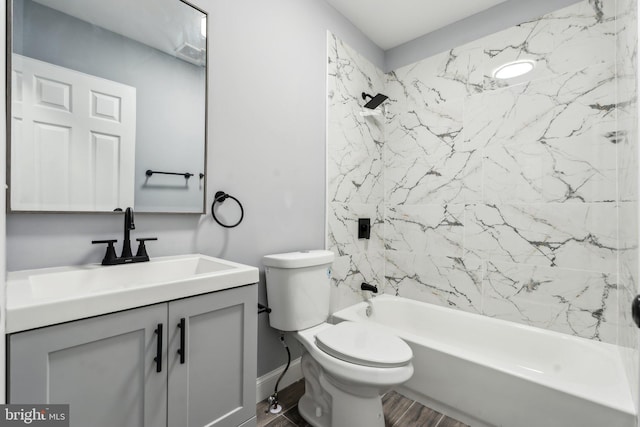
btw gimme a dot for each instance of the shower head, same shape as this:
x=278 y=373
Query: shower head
x=375 y=100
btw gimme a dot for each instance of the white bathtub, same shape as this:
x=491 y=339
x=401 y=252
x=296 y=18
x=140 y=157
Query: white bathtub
x=489 y=372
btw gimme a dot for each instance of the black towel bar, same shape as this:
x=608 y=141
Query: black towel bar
x=187 y=175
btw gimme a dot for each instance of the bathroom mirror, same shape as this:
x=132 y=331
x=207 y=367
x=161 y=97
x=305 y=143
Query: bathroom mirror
x=108 y=106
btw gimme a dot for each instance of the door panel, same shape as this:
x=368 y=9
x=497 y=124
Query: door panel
x=216 y=384
x=102 y=367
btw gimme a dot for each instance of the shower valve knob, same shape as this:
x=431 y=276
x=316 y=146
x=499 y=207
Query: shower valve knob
x=364 y=228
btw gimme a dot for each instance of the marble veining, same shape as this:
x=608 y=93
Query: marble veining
x=517 y=198
x=354 y=142
x=584 y=305
x=580 y=236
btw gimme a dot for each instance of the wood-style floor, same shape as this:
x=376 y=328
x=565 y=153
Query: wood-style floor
x=399 y=411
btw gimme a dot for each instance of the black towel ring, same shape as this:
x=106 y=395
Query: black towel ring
x=220 y=197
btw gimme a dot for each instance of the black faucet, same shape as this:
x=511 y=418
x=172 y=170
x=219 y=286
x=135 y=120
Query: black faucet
x=128 y=226
x=127 y=256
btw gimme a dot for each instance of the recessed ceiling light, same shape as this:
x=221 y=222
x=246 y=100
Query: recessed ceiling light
x=513 y=69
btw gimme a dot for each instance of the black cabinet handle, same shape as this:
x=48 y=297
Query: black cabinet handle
x=182 y=351
x=158 y=358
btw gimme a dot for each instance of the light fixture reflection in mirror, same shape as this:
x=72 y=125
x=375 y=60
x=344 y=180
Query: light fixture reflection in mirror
x=514 y=69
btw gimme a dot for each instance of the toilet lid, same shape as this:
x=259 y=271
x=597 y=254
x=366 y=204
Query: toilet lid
x=364 y=344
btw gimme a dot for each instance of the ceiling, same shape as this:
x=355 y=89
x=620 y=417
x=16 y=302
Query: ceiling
x=391 y=23
x=164 y=25
x=169 y=25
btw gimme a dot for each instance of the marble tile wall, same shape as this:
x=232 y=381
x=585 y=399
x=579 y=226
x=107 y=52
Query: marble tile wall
x=513 y=199
x=627 y=142
x=354 y=172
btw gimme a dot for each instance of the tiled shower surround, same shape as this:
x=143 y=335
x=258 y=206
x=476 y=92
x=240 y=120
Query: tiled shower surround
x=516 y=199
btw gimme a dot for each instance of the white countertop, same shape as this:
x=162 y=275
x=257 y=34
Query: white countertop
x=43 y=297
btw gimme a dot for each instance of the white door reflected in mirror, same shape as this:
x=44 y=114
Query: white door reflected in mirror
x=73 y=140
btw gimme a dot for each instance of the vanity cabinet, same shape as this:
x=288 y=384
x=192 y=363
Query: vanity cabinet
x=106 y=367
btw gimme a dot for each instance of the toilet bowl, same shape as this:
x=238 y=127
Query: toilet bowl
x=351 y=386
x=347 y=366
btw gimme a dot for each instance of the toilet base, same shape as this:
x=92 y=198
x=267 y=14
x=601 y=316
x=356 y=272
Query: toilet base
x=327 y=403
x=307 y=410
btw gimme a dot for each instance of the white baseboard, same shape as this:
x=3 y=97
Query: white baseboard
x=266 y=383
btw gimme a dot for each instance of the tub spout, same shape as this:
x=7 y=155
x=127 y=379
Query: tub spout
x=367 y=287
x=371 y=291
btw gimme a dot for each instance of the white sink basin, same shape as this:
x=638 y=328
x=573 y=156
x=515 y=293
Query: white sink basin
x=43 y=297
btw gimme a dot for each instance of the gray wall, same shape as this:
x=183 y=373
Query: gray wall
x=266 y=147
x=170 y=98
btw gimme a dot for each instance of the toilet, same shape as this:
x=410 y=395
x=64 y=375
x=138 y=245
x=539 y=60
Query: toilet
x=347 y=367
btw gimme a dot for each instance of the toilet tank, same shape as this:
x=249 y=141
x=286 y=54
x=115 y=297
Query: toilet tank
x=298 y=286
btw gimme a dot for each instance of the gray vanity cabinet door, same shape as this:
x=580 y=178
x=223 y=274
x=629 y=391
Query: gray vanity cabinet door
x=103 y=367
x=216 y=384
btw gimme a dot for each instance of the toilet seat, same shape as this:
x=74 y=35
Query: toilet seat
x=347 y=371
x=363 y=344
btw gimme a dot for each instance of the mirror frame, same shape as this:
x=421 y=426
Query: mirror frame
x=8 y=103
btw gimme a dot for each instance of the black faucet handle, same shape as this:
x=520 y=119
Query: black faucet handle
x=144 y=239
x=104 y=241
x=110 y=256
x=142 y=249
